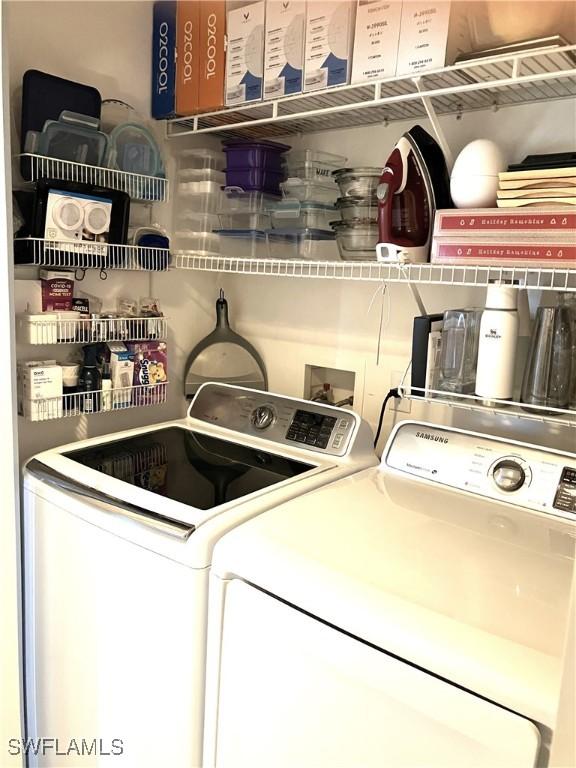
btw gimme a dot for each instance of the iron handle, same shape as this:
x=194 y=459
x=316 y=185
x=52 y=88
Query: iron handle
x=109 y=504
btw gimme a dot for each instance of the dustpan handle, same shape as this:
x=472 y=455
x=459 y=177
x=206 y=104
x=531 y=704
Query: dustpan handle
x=222 y=312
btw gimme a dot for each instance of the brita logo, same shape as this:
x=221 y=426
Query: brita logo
x=145 y=372
x=431 y=437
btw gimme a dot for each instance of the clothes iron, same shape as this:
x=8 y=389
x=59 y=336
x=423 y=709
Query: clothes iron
x=414 y=183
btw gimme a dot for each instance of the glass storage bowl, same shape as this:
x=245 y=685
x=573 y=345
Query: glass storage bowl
x=324 y=191
x=358 y=208
x=358 y=182
x=296 y=214
x=356 y=241
x=302 y=244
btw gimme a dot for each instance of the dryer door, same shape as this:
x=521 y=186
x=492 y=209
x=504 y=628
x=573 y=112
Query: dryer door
x=293 y=691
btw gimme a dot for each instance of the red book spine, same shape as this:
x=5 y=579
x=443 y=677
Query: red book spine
x=483 y=221
x=533 y=254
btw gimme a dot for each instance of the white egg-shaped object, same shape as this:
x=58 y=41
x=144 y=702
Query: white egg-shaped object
x=474 y=179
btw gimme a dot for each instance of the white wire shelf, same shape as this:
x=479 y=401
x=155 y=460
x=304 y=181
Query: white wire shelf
x=432 y=274
x=502 y=408
x=52 y=329
x=36 y=251
x=533 y=76
x=140 y=187
x=96 y=402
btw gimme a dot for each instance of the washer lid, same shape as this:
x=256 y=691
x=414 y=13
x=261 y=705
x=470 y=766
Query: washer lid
x=476 y=591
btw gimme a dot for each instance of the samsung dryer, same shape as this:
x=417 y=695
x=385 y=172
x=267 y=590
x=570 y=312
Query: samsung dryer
x=118 y=537
x=413 y=614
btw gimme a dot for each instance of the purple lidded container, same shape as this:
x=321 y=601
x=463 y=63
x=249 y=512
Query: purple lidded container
x=254 y=154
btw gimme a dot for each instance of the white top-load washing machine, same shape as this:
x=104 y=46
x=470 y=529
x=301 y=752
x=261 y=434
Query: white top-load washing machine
x=413 y=614
x=118 y=538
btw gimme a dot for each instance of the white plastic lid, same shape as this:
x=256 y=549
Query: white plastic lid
x=502 y=296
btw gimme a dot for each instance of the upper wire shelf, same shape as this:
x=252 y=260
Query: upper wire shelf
x=36 y=251
x=374 y=271
x=503 y=408
x=150 y=189
x=499 y=81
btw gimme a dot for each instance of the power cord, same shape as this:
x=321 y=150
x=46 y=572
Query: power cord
x=393 y=393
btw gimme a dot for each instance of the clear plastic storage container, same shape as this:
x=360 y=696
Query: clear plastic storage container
x=199 y=188
x=246 y=210
x=243 y=243
x=303 y=244
x=296 y=214
x=199 y=203
x=201 y=158
x=356 y=241
x=199 y=242
x=311 y=164
x=309 y=190
x=255 y=179
x=198 y=222
x=201 y=174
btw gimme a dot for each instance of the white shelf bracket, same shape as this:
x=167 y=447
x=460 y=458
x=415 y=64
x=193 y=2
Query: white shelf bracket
x=436 y=127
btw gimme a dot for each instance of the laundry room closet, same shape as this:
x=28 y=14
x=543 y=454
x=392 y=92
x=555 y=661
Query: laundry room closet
x=344 y=328
x=357 y=330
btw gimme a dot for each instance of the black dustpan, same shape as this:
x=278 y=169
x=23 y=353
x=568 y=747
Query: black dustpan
x=224 y=357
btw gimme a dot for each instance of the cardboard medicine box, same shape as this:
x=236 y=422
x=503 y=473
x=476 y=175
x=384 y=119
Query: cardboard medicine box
x=376 y=40
x=284 y=48
x=432 y=35
x=329 y=38
x=245 y=54
x=40 y=390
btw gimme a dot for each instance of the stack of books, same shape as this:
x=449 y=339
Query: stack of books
x=539 y=181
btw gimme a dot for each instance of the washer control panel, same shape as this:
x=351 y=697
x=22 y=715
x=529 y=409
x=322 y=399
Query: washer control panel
x=522 y=474
x=284 y=420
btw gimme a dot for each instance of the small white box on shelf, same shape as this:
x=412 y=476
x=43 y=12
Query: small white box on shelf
x=376 y=40
x=41 y=328
x=245 y=54
x=284 y=48
x=432 y=35
x=329 y=37
x=40 y=389
x=121 y=373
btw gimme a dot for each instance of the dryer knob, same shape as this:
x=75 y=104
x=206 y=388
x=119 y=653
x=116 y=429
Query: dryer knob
x=262 y=417
x=509 y=475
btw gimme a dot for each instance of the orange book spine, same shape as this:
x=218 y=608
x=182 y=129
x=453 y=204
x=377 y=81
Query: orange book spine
x=212 y=68
x=187 y=56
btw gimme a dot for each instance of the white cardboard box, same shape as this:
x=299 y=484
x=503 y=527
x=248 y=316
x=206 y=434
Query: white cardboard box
x=329 y=38
x=284 y=48
x=245 y=54
x=40 y=390
x=376 y=40
x=431 y=35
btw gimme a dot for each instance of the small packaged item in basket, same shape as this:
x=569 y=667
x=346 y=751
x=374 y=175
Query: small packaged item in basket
x=150 y=371
x=127 y=307
x=150 y=307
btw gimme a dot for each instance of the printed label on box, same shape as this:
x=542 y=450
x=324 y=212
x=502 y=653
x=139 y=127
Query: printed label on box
x=511 y=253
x=479 y=220
x=329 y=34
x=212 y=74
x=376 y=40
x=284 y=48
x=164 y=59
x=245 y=54
x=187 y=56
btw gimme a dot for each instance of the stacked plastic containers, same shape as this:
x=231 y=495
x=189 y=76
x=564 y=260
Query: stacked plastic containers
x=301 y=221
x=357 y=230
x=254 y=173
x=200 y=180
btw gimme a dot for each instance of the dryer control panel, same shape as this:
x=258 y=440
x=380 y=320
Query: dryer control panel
x=520 y=473
x=284 y=420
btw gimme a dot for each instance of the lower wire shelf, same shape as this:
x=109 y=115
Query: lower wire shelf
x=37 y=251
x=565 y=417
x=553 y=279
x=95 y=402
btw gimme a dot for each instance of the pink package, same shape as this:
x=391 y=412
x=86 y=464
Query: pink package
x=150 y=370
x=57 y=290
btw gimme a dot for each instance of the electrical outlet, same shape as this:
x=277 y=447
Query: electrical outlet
x=400 y=406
